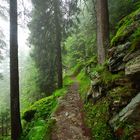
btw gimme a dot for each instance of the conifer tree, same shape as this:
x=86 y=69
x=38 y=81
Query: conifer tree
x=16 y=128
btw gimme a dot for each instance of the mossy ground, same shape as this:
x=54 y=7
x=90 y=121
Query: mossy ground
x=97 y=117
x=38 y=126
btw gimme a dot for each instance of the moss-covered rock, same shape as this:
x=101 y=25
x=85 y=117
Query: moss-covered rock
x=127 y=122
x=38 y=131
x=29 y=115
x=37 y=117
x=117 y=55
x=105 y=77
x=132 y=68
x=113 y=81
x=128 y=29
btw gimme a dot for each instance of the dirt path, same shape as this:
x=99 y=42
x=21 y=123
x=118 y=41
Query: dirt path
x=69 y=118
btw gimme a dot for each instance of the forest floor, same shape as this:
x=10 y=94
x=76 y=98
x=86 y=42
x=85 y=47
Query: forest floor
x=70 y=118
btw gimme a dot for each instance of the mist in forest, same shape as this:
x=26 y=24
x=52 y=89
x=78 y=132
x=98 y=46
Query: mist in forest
x=69 y=69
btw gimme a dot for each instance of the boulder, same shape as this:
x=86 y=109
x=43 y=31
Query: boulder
x=117 y=55
x=131 y=114
x=132 y=67
x=29 y=115
x=116 y=64
x=117 y=105
x=123 y=47
x=111 y=51
x=124 y=81
x=95 y=91
x=130 y=56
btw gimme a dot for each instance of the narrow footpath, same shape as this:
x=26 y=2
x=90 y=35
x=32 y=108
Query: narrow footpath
x=70 y=118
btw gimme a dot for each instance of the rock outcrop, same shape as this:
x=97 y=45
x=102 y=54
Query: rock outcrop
x=132 y=67
x=117 y=55
x=130 y=113
x=125 y=56
x=118 y=83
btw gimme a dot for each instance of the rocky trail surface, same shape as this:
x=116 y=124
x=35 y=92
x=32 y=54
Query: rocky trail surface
x=70 y=118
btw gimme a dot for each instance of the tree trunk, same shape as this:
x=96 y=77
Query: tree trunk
x=2 y=125
x=58 y=43
x=16 y=128
x=102 y=29
x=6 y=125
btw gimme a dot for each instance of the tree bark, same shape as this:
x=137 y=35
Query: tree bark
x=16 y=128
x=58 y=43
x=102 y=29
x=6 y=126
x=2 y=125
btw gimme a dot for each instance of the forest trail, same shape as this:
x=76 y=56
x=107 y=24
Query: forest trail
x=70 y=118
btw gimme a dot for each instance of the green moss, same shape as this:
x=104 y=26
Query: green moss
x=77 y=69
x=49 y=128
x=97 y=117
x=104 y=75
x=128 y=130
x=135 y=38
x=135 y=44
x=123 y=32
x=84 y=84
x=38 y=130
x=119 y=92
x=108 y=78
x=5 y=138
x=29 y=115
x=68 y=81
x=127 y=27
x=91 y=61
x=38 y=117
x=41 y=130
